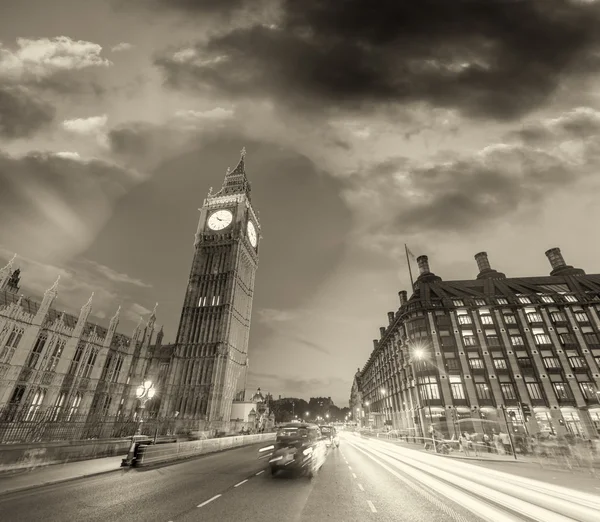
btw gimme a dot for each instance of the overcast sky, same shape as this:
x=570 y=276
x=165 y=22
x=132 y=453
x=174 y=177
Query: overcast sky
x=453 y=126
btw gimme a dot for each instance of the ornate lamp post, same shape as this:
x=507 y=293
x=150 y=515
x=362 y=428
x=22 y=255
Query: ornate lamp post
x=144 y=393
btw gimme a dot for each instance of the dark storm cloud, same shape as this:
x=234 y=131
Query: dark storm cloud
x=498 y=59
x=468 y=193
x=22 y=113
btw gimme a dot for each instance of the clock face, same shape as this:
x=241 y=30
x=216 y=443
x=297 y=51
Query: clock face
x=220 y=219
x=252 y=234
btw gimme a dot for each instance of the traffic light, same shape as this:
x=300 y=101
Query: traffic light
x=526 y=409
x=561 y=422
x=512 y=414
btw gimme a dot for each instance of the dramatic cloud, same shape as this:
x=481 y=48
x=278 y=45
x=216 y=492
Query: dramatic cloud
x=218 y=113
x=470 y=192
x=91 y=125
x=22 y=113
x=52 y=205
x=44 y=57
x=496 y=59
x=136 y=311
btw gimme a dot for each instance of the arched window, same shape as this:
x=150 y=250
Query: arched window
x=35 y=404
x=74 y=406
x=38 y=348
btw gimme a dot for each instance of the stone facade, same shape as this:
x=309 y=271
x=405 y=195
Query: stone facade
x=519 y=353
x=56 y=368
x=210 y=355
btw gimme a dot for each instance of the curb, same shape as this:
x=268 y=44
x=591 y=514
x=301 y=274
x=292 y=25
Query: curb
x=57 y=481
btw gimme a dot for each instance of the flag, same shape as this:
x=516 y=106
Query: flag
x=410 y=253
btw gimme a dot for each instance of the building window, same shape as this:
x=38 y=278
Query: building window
x=492 y=339
x=456 y=387
x=480 y=302
x=483 y=391
x=541 y=337
x=547 y=299
x=577 y=362
x=551 y=363
x=89 y=365
x=534 y=317
x=525 y=362
x=591 y=339
x=429 y=387
x=56 y=353
x=34 y=356
x=11 y=344
x=558 y=317
x=464 y=318
x=501 y=300
x=588 y=389
x=582 y=317
x=476 y=364
x=500 y=364
x=452 y=364
x=510 y=319
x=74 y=406
x=114 y=375
x=38 y=398
x=76 y=359
x=486 y=319
x=562 y=390
x=17 y=395
x=468 y=338
x=516 y=340
x=534 y=390
x=106 y=367
x=458 y=302
x=508 y=390
x=567 y=339
x=58 y=405
x=570 y=298
x=524 y=300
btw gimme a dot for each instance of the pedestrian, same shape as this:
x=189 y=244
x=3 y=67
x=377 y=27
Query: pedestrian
x=464 y=443
x=486 y=442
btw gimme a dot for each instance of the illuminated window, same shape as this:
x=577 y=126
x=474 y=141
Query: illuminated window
x=483 y=391
x=500 y=364
x=508 y=390
x=480 y=302
x=456 y=387
x=588 y=389
x=517 y=340
x=458 y=302
x=547 y=299
x=562 y=390
x=534 y=390
x=582 y=317
x=570 y=298
x=524 y=300
x=501 y=300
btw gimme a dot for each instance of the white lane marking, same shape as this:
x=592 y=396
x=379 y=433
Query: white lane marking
x=361 y=487
x=240 y=483
x=371 y=506
x=350 y=468
x=261 y=472
x=209 y=500
x=354 y=475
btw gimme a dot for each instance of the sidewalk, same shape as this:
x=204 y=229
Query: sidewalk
x=26 y=479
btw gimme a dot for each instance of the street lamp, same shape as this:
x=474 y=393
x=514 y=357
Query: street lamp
x=420 y=356
x=144 y=393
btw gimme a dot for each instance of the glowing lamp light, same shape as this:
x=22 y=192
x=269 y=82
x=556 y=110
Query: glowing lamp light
x=151 y=393
x=140 y=391
x=147 y=384
x=419 y=353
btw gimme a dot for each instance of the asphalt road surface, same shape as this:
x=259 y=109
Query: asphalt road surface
x=358 y=482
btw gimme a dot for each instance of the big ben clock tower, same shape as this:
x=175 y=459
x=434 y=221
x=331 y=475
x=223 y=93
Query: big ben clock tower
x=211 y=349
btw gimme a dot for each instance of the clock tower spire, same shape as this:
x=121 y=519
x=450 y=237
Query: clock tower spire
x=211 y=347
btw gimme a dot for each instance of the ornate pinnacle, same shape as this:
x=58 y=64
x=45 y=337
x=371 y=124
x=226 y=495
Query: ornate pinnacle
x=228 y=171
x=154 y=311
x=54 y=286
x=243 y=153
x=89 y=301
x=10 y=263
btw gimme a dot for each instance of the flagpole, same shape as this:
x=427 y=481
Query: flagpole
x=412 y=283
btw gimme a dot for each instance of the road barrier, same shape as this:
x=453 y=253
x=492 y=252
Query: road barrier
x=147 y=455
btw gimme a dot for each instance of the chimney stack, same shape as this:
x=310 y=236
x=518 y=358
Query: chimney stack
x=482 y=261
x=559 y=267
x=391 y=317
x=556 y=259
x=375 y=343
x=485 y=269
x=423 y=263
x=382 y=330
x=403 y=297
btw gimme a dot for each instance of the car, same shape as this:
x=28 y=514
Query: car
x=331 y=435
x=299 y=448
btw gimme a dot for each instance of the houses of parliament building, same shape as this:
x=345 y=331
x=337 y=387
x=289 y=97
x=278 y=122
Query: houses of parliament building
x=64 y=377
